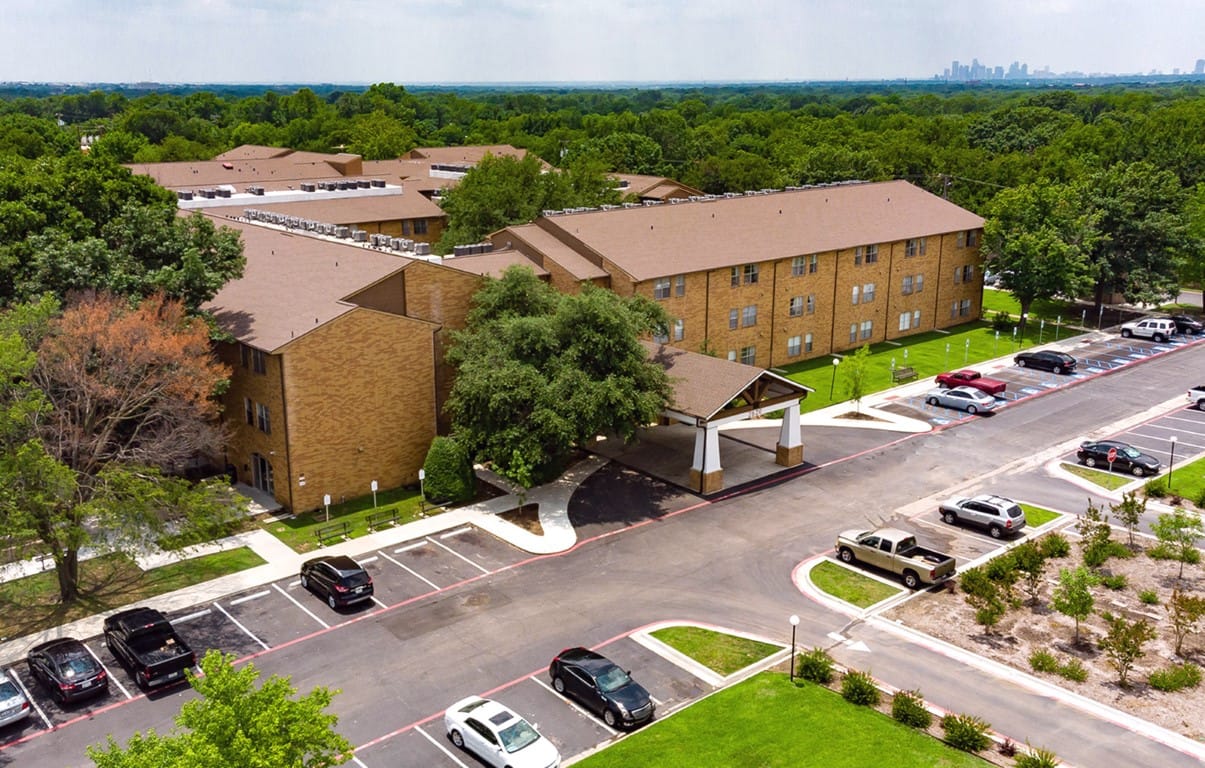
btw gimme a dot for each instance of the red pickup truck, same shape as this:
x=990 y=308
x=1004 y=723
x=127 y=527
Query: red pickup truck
x=969 y=378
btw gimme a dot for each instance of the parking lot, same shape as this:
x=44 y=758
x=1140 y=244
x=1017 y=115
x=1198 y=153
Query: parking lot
x=1185 y=425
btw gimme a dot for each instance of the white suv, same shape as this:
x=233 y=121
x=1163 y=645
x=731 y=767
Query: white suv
x=1156 y=328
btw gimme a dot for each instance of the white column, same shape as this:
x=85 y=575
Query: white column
x=788 y=435
x=707 y=449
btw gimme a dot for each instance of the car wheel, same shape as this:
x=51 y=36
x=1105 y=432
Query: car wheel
x=911 y=580
x=1126 y=333
x=996 y=531
x=1058 y=369
x=330 y=600
x=1138 y=471
x=456 y=738
x=847 y=555
x=949 y=518
x=609 y=718
x=932 y=401
x=558 y=685
x=305 y=583
x=1160 y=338
x=1090 y=462
x=1020 y=362
x=972 y=410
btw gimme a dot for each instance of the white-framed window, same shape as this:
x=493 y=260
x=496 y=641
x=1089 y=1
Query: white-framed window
x=794 y=344
x=972 y=237
x=680 y=285
x=954 y=310
x=915 y=247
x=736 y=277
x=858 y=256
x=960 y=240
x=957 y=275
x=813 y=263
x=919 y=283
x=964 y=308
x=679 y=329
x=798 y=266
x=249 y=410
x=905 y=321
x=420 y=226
x=749 y=316
x=811 y=304
x=750 y=274
x=749 y=355
x=261 y=418
x=259 y=361
x=853 y=333
x=734 y=319
x=732 y=355
x=872 y=254
x=867 y=329
x=906 y=288
x=916 y=318
x=661 y=288
x=807 y=342
x=857 y=291
x=795 y=309
x=968 y=273
x=868 y=293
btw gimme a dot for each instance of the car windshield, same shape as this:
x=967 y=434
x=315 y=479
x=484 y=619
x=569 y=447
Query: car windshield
x=1131 y=453
x=355 y=579
x=517 y=736
x=1015 y=511
x=81 y=666
x=613 y=679
x=8 y=691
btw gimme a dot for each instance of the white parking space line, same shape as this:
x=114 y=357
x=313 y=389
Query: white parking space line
x=191 y=616
x=1165 y=441
x=441 y=747
x=308 y=612
x=363 y=560
x=416 y=575
x=580 y=709
x=238 y=624
x=456 y=531
x=248 y=598
x=408 y=547
x=378 y=602
x=12 y=675
x=1195 y=422
x=358 y=761
x=109 y=672
x=462 y=557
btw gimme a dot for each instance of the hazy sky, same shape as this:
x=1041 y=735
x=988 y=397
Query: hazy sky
x=445 y=41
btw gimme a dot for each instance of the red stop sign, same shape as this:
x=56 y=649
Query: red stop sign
x=1112 y=455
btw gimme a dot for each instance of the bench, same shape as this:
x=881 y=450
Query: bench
x=425 y=507
x=903 y=374
x=339 y=530
x=380 y=519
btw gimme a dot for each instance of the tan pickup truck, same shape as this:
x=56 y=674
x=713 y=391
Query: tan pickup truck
x=897 y=551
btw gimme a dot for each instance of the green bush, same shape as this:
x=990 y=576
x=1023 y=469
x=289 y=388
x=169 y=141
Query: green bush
x=1149 y=597
x=858 y=688
x=1176 y=677
x=1073 y=670
x=908 y=707
x=1155 y=488
x=1038 y=758
x=1054 y=545
x=1043 y=661
x=1003 y=322
x=966 y=732
x=1200 y=499
x=1166 y=552
x=448 y=470
x=1114 y=581
x=816 y=665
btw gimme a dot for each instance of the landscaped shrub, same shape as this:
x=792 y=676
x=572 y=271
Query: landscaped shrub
x=858 y=688
x=908 y=708
x=1043 y=661
x=1200 y=499
x=1114 y=581
x=1149 y=597
x=448 y=472
x=1098 y=552
x=1038 y=758
x=1168 y=552
x=1155 y=488
x=966 y=732
x=1176 y=677
x=1008 y=748
x=1054 y=545
x=1073 y=670
x=1001 y=321
x=816 y=665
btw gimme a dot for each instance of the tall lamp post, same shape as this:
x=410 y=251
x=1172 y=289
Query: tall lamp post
x=794 y=624
x=833 y=385
x=1171 y=463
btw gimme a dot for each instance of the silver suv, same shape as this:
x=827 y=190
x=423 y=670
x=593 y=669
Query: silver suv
x=1155 y=328
x=997 y=514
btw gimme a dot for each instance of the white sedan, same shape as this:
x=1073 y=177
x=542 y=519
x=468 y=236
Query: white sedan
x=966 y=399
x=497 y=735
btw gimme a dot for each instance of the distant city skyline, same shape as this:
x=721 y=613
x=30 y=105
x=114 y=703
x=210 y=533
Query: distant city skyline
x=958 y=71
x=593 y=41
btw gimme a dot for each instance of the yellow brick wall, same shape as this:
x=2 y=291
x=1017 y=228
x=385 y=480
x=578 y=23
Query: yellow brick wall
x=246 y=439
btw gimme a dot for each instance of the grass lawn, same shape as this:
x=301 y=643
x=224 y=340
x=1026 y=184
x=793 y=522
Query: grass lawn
x=769 y=722
x=1188 y=480
x=298 y=531
x=31 y=604
x=928 y=353
x=1110 y=480
x=1035 y=516
x=1050 y=310
x=718 y=651
x=851 y=586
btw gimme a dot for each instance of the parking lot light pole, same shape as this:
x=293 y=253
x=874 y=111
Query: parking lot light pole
x=833 y=385
x=794 y=624
x=1171 y=463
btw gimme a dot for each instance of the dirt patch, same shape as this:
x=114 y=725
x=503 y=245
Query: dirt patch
x=858 y=416
x=526 y=517
x=1027 y=628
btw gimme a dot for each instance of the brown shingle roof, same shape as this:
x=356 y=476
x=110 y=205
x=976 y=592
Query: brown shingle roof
x=253 y=152
x=292 y=284
x=703 y=385
x=468 y=155
x=543 y=242
x=654 y=187
x=669 y=239
x=492 y=264
x=346 y=210
x=277 y=171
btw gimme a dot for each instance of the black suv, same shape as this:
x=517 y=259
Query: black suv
x=1187 y=324
x=601 y=686
x=1056 y=362
x=67 y=670
x=337 y=577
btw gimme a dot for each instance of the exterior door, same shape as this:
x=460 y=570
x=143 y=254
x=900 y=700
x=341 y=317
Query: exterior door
x=261 y=470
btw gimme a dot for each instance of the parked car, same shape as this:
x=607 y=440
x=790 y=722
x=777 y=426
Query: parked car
x=67 y=670
x=1154 y=328
x=1046 y=360
x=147 y=644
x=897 y=551
x=601 y=687
x=14 y=705
x=1128 y=458
x=1196 y=395
x=969 y=378
x=1188 y=324
x=966 y=399
x=995 y=513
x=498 y=736
x=338 y=578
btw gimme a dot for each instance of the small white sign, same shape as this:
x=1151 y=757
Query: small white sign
x=422 y=474
x=326 y=499
x=374 y=486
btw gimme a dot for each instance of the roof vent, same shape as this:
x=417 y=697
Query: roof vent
x=184 y=194
x=308 y=186
x=378 y=183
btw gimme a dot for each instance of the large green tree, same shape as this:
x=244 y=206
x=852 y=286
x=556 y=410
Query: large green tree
x=236 y=722
x=539 y=372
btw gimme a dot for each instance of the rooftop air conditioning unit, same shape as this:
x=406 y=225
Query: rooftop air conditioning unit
x=360 y=236
x=422 y=249
x=343 y=232
x=184 y=194
x=207 y=194
x=378 y=183
x=308 y=186
x=223 y=192
x=363 y=183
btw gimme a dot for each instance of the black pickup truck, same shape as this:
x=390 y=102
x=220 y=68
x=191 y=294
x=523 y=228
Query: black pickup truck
x=144 y=641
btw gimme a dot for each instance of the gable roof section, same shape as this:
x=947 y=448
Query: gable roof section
x=211 y=173
x=704 y=385
x=293 y=284
x=493 y=264
x=253 y=152
x=544 y=243
x=467 y=155
x=653 y=187
x=663 y=240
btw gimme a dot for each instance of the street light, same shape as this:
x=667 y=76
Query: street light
x=1171 y=463
x=833 y=385
x=794 y=624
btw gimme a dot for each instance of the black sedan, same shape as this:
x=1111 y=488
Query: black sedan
x=338 y=578
x=1188 y=324
x=601 y=686
x=1046 y=360
x=67 y=670
x=1126 y=458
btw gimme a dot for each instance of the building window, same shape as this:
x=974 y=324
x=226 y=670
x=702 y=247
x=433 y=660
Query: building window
x=794 y=344
x=661 y=335
x=798 y=266
x=968 y=273
x=907 y=286
x=661 y=288
x=748 y=355
x=905 y=321
x=420 y=226
x=856 y=290
x=858 y=256
x=811 y=303
x=868 y=293
x=813 y=263
x=954 y=310
x=258 y=361
x=245 y=354
x=807 y=342
x=919 y=283
x=916 y=318
x=960 y=240
x=749 y=316
x=964 y=308
x=796 y=306
x=734 y=318
x=405 y=227
x=680 y=285
x=732 y=355
x=249 y=411
x=915 y=247
x=872 y=254
x=751 y=271
x=867 y=329
x=957 y=275
x=736 y=277
x=972 y=238
x=261 y=417
x=679 y=330
x=853 y=333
